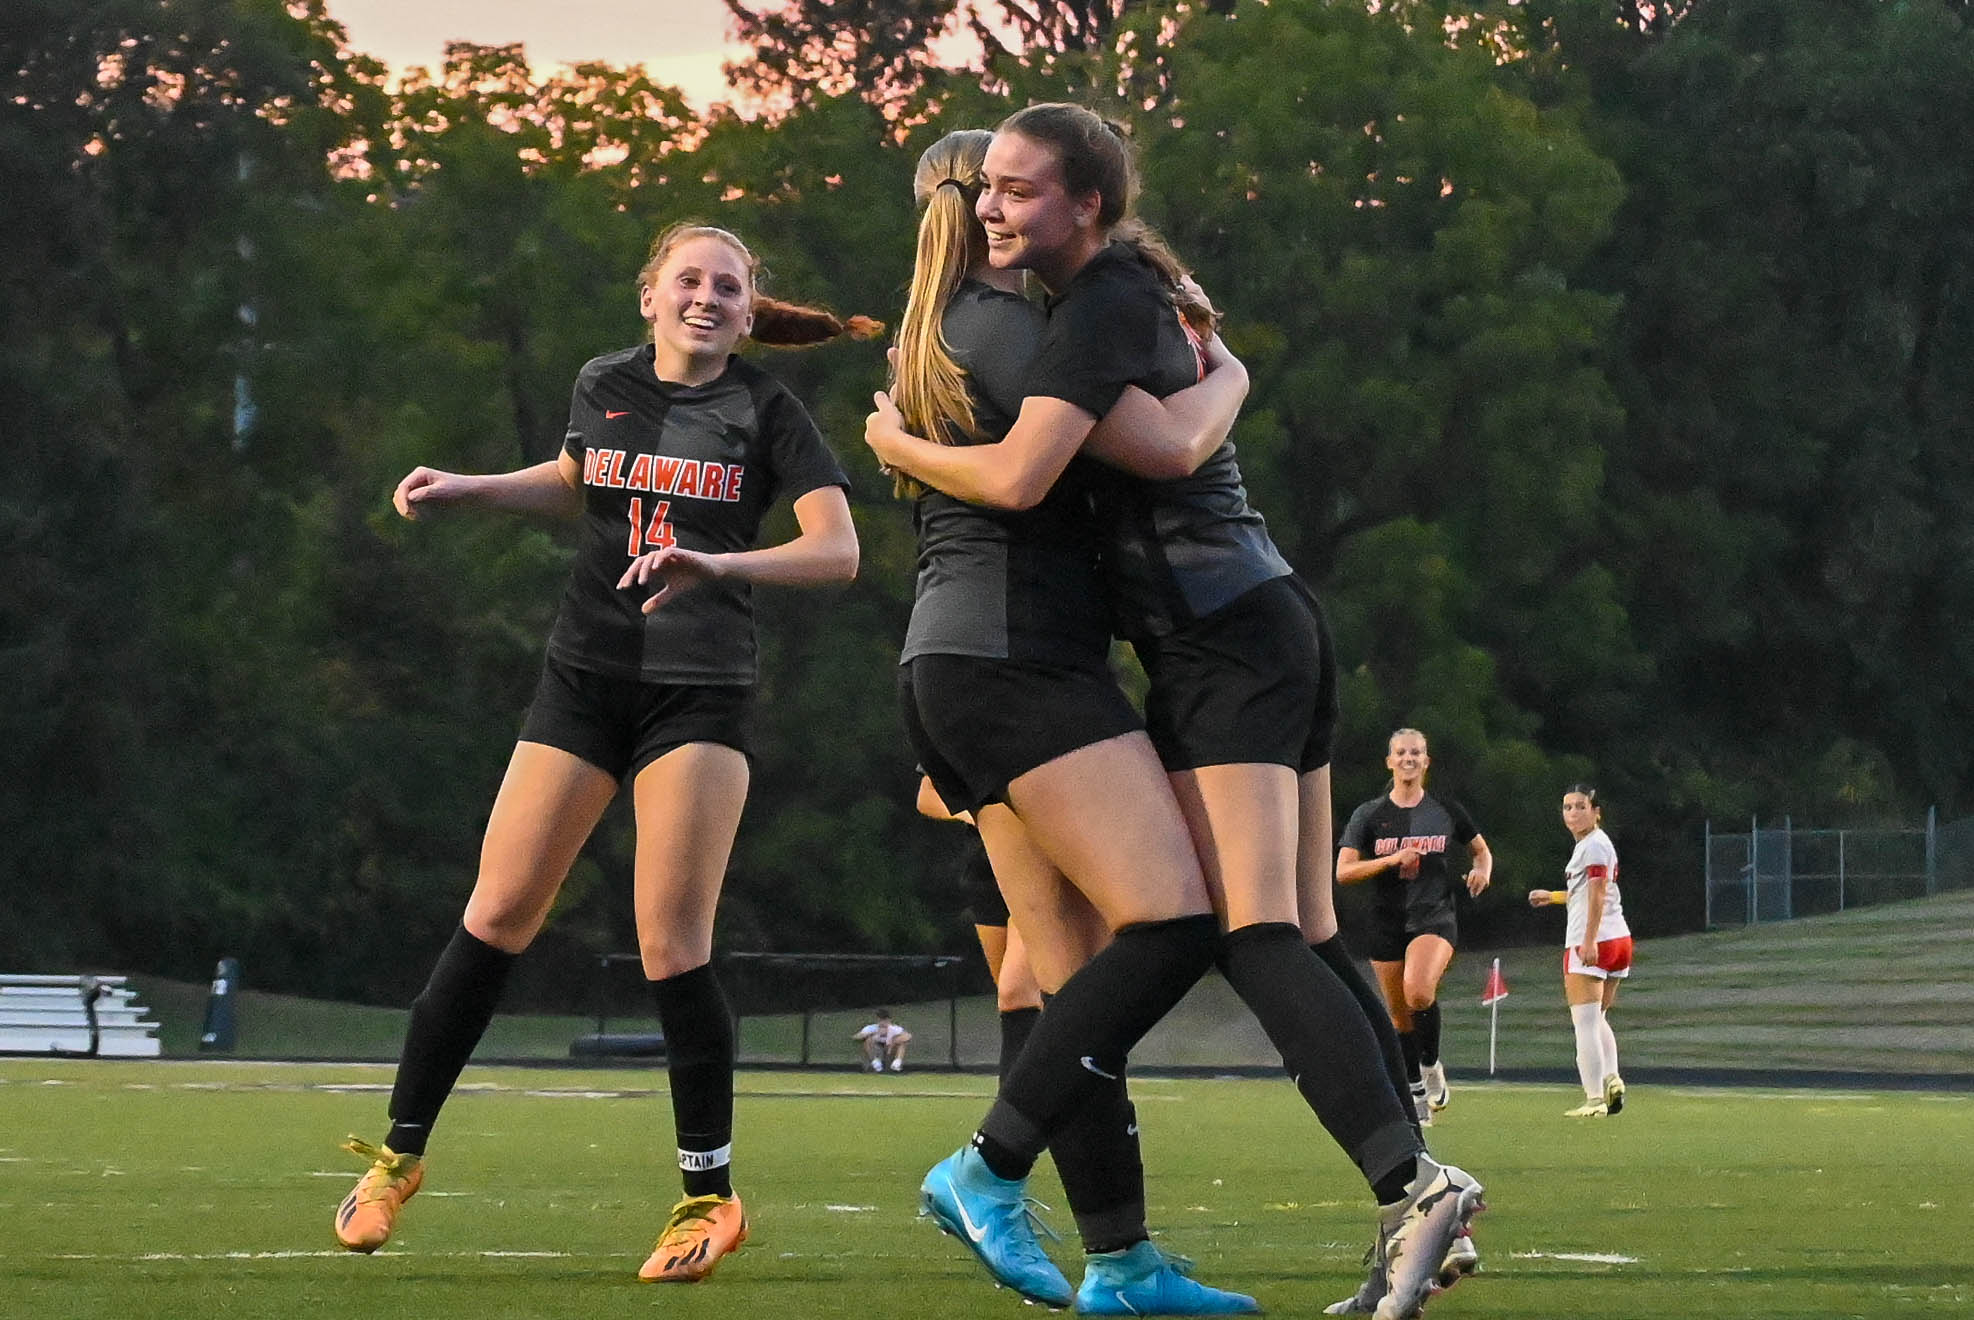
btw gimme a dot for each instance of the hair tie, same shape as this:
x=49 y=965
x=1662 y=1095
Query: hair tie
x=954 y=182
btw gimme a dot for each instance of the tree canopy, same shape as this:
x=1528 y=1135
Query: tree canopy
x=1606 y=388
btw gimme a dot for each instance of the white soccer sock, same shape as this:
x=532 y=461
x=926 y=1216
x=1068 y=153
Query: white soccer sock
x=1610 y=1044
x=1588 y=1019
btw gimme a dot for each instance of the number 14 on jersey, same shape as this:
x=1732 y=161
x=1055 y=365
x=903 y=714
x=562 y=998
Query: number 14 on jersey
x=656 y=536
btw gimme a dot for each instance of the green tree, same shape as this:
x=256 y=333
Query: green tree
x=1400 y=243
x=1796 y=262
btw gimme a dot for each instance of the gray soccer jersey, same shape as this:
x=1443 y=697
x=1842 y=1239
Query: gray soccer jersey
x=1171 y=551
x=1003 y=584
x=693 y=465
x=1438 y=831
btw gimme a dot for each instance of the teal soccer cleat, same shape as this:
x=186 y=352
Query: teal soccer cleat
x=991 y=1215
x=1140 y=1280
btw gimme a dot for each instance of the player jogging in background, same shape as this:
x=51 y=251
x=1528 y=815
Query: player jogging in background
x=1401 y=839
x=1596 y=950
x=675 y=451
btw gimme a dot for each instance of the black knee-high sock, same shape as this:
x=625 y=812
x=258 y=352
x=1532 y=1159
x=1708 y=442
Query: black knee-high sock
x=1088 y=1031
x=1103 y=1174
x=1095 y=1153
x=699 y=1048
x=1408 y=1044
x=447 y=1020
x=1337 y=958
x=1425 y=1024
x=1016 y=1025
x=1328 y=1048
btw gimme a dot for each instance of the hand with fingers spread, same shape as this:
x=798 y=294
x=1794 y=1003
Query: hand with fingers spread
x=676 y=571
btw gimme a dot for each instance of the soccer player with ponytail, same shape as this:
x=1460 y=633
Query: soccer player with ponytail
x=675 y=450
x=1242 y=699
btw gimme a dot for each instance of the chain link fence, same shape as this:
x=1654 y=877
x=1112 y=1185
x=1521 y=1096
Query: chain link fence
x=1773 y=873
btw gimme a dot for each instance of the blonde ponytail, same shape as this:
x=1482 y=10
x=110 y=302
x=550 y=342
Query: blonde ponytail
x=930 y=386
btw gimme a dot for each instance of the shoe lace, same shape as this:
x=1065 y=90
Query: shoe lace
x=381 y=1157
x=1032 y=1209
x=688 y=1215
x=395 y=1167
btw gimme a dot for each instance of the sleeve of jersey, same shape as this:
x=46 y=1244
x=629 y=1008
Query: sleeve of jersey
x=1093 y=350
x=1001 y=340
x=1600 y=860
x=802 y=462
x=1464 y=828
x=582 y=416
x=1354 y=831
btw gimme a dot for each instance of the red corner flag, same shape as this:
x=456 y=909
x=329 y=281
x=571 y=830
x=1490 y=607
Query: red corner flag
x=1496 y=989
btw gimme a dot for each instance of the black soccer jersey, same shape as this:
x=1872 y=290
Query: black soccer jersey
x=1171 y=551
x=1003 y=584
x=1381 y=827
x=663 y=464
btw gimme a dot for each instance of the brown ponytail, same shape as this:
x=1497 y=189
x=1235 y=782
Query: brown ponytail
x=780 y=324
x=777 y=323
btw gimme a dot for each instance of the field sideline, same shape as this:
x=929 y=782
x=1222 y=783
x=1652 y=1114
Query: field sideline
x=182 y=1189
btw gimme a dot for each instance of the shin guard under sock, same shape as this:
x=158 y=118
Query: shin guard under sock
x=699 y=1048
x=1425 y=1025
x=1103 y=1174
x=447 y=1020
x=1328 y=1048
x=1016 y=1026
x=1337 y=958
x=1085 y=1036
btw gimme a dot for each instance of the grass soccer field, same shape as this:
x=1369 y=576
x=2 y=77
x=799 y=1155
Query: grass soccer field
x=171 y=1189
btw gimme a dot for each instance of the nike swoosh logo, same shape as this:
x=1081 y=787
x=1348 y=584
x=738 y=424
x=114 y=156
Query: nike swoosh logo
x=975 y=1233
x=1125 y=1302
x=612 y=416
x=1090 y=1063
x=1131 y=1131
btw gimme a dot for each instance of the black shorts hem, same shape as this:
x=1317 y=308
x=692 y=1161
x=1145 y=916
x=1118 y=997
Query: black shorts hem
x=1253 y=683
x=978 y=725
x=622 y=725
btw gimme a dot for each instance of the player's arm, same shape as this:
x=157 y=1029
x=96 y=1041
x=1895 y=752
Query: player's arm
x=1352 y=866
x=1162 y=439
x=553 y=488
x=1014 y=472
x=1480 y=869
x=1548 y=897
x=824 y=550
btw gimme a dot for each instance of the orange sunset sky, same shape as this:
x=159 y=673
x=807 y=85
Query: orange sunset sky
x=681 y=42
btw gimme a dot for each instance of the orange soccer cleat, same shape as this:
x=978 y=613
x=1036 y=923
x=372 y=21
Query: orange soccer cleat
x=701 y=1230
x=368 y=1214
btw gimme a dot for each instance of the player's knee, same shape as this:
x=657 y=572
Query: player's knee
x=665 y=956
x=509 y=927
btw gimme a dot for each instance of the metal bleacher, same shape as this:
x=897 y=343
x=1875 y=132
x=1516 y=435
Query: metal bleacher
x=88 y=1016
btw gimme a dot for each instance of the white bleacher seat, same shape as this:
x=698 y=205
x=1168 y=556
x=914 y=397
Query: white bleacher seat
x=47 y=1015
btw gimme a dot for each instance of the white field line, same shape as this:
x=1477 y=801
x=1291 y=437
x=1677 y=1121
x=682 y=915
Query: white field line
x=1589 y=1257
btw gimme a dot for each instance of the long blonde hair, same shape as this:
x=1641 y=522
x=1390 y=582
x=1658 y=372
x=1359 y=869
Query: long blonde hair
x=929 y=386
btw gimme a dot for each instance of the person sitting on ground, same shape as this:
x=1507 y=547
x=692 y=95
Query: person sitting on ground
x=884 y=1043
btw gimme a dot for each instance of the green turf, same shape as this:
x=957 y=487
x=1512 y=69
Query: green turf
x=187 y=1189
